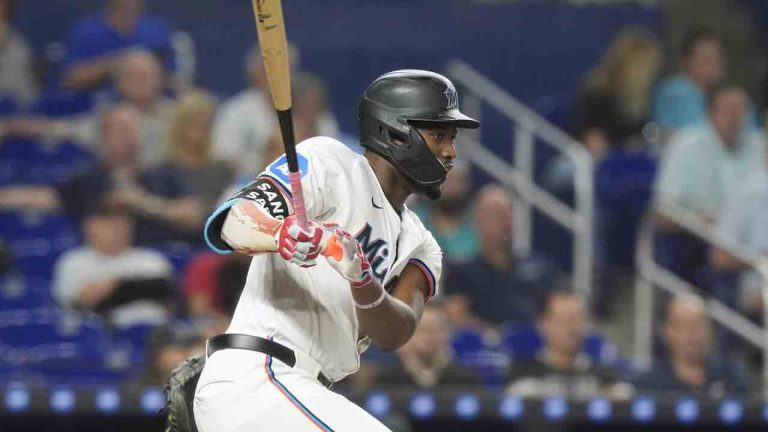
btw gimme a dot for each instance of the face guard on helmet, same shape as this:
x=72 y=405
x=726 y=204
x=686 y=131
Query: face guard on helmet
x=391 y=108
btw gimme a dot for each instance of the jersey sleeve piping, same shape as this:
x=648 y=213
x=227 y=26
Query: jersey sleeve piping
x=428 y=275
x=214 y=223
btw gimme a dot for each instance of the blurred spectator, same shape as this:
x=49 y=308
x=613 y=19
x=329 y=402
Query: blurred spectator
x=108 y=275
x=426 y=361
x=497 y=286
x=449 y=218
x=688 y=366
x=744 y=220
x=561 y=367
x=96 y=44
x=615 y=104
x=200 y=285
x=139 y=84
x=212 y=283
x=246 y=122
x=116 y=178
x=703 y=166
x=679 y=101
x=117 y=165
x=311 y=113
x=16 y=77
x=139 y=78
x=168 y=347
x=191 y=174
x=310 y=118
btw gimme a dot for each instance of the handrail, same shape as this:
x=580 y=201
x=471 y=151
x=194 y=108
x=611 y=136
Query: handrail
x=500 y=99
x=651 y=275
x=497 y=168
x=519 y=176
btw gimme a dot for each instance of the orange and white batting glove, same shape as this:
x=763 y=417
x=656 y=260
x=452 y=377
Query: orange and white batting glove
x=346 y=256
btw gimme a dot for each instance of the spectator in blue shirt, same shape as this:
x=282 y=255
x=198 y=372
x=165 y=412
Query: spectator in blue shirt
x=680 y=101
x=688 y=365
x=497 y=286
x=96 y=44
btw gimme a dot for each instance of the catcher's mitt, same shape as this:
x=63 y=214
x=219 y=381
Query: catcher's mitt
x=180 y=393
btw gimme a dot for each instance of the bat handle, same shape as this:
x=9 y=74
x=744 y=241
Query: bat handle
x=298 y=200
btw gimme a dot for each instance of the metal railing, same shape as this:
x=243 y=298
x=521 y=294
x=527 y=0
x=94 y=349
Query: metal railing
x=651 y=276
x=529 y=128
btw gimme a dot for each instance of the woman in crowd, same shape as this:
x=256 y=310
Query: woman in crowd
x=189 y=173
x=614 y=103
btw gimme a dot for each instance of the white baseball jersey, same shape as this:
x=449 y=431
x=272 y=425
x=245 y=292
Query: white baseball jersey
x=311 y=309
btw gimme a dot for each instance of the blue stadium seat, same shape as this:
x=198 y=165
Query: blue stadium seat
x=57 y=103
x=623 y=183
x=55 y=163
x=472 y=349
x=62 y=346
x=36 y=240
x=32 y=162
x=523 y=341
x=8 y=105
x=20 y=292
x=467 y=341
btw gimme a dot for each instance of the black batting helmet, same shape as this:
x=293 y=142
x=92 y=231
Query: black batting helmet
x=390 y=108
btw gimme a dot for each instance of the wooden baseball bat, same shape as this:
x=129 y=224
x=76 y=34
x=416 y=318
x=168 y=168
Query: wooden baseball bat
x=274 y=50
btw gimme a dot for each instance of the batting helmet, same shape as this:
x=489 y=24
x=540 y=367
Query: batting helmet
x=389 y=110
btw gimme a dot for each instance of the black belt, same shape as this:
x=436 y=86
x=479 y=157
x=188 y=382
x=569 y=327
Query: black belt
x=255 y=343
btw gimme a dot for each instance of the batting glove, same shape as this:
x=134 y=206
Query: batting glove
x=345 y=255
x=298 y=246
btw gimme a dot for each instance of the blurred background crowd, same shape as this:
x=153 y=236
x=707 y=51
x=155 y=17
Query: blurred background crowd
x=123 y=126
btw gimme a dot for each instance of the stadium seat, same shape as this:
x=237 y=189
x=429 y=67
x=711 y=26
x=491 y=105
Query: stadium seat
x=523 y=341
x=623 y=183
x=33 y=162
x=36 y=240
x=20 y=292
x=62 y=346
x=57 y=103
x=473 y=349
x=8 y=105
x=467 y=341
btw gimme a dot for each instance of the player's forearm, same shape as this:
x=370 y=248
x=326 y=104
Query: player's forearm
x=249 y=228
x=28 y=198
x=389 y=324
x=722 y=260
x=186 y=213
x=89 y=73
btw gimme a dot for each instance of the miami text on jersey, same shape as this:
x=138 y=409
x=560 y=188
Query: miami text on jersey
x=376 y=251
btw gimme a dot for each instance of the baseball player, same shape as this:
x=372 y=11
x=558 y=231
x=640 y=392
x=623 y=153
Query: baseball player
x=359 y=273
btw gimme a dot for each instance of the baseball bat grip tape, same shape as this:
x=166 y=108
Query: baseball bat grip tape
x=298 y=199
